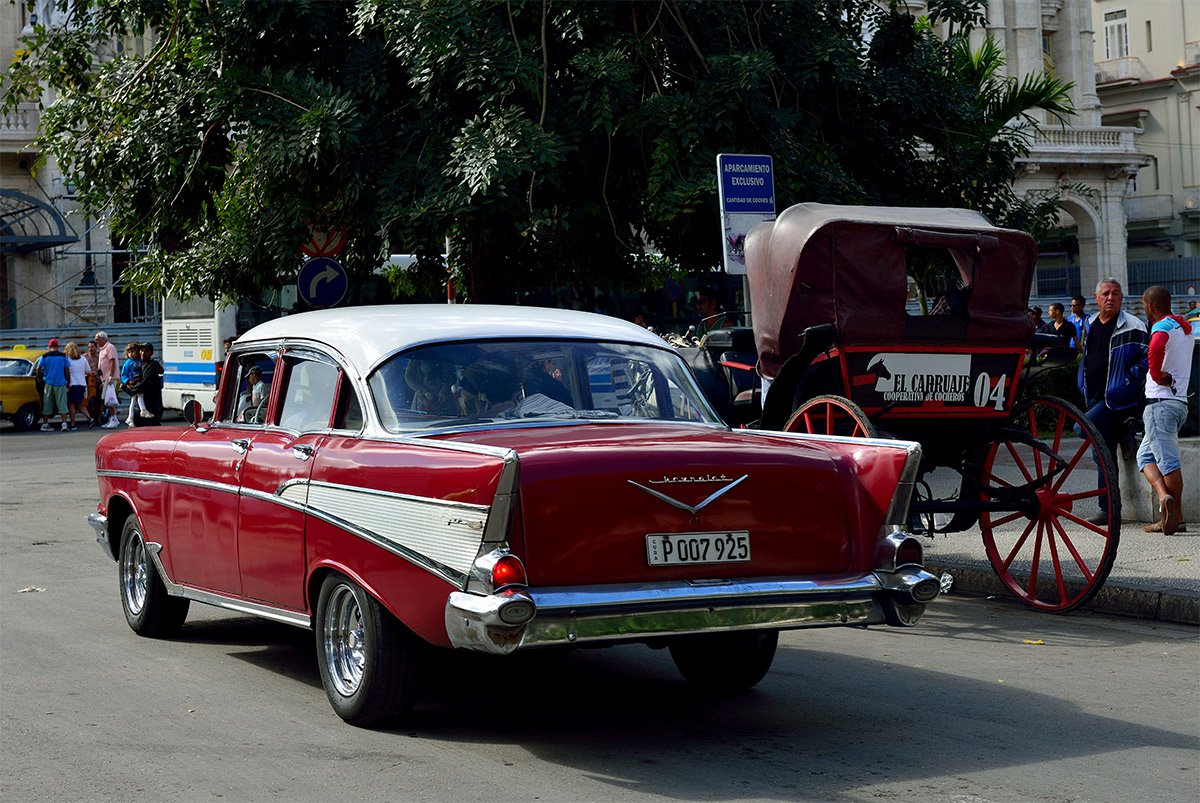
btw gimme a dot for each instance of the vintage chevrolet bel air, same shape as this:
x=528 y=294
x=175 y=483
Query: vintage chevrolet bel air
x=405 y=478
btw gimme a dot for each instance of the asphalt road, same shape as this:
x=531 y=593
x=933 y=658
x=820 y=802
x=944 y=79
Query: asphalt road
x=962 y=708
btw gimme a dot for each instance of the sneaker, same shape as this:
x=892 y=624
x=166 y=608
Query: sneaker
x=92 y=423
x=65 y=427
x=47 y=428
x=72 y=428
x=112 y=424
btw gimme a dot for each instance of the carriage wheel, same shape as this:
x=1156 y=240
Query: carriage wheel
x=1054 y=554
x=831 y=415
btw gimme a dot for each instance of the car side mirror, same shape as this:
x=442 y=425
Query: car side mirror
x=193 y=413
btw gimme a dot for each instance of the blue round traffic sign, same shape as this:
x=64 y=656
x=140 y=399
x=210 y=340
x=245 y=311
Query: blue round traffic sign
x=322 y=282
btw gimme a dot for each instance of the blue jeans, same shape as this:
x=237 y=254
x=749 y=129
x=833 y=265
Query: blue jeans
x=1163 y=420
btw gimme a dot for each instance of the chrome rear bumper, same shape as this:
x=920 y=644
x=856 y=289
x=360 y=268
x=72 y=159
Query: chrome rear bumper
x=636 y=612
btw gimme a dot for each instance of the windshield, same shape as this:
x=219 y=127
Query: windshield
x=473 y=382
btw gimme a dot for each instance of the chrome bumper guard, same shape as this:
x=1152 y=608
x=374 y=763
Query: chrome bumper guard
x=637 y=612
x=100 y=525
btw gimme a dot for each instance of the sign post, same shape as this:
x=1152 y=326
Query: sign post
x=322 y=283
x=746 y=184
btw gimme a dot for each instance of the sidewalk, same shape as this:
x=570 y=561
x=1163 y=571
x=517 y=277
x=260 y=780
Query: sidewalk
x=1154 y=576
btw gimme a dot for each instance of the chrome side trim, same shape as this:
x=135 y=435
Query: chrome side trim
x=407 y=526
x=441 y=536
x=636 y=612
x=99 y=523
x=221 y=601
x=223 y=487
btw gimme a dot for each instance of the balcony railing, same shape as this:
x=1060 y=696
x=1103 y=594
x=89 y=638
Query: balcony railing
x=1128 y=68
x=19 y=127
x=1084 y=138
x=1141 y=208
x=1191 y=200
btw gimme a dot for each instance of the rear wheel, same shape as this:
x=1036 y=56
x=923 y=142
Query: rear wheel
x=831 y=415
x=149 y=610
x=370 y=663
x=725 y=662
x=1056 y=551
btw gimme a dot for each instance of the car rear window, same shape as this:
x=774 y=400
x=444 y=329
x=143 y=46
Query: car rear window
x=494 y=381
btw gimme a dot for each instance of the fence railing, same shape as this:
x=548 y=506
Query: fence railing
x=119 y=333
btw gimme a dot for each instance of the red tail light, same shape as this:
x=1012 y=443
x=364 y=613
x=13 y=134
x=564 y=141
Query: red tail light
x=910 y=552
x=508 y=571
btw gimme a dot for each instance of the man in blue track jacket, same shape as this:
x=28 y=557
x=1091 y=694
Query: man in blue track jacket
x=1112 y=373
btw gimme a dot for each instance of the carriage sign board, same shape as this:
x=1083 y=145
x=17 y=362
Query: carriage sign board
x=746 y=184
x=977 y=383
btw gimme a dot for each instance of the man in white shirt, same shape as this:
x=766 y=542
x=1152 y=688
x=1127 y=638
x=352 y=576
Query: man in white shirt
x=1166 y=410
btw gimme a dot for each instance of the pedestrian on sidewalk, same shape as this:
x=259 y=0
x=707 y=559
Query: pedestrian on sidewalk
x=1111 y=375
x=109 y=374
x=152 y=383
x=54 y=372
x=1169 y=371
x=78 y=383
x=131 y=383
x=93 y=401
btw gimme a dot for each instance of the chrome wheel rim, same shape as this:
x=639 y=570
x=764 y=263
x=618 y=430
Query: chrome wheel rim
x=133 y=574
x=345 y=641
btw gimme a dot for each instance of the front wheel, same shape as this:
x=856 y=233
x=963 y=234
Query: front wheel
x=725 y=662
x=149 y=610
x=1056 y=550
x=370 y=663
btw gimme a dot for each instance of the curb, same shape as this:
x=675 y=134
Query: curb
x=1162 y=606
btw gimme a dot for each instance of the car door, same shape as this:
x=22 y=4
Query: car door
x=202 y=550
x=274 y=478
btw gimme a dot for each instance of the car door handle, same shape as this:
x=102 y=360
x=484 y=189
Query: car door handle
x=303 y=451
x=241 y=444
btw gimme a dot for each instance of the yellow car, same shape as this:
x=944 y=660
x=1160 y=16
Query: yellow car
x=19 y=399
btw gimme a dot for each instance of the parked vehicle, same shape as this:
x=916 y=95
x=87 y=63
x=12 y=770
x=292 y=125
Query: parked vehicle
x=911 y=323
x=496 y=479
x=19 y=399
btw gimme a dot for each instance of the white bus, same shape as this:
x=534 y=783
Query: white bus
x=193 y=337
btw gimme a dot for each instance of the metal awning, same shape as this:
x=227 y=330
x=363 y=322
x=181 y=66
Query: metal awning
x=27 y=224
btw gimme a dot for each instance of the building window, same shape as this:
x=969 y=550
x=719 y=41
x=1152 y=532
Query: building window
x=1116 y=34
x=1047 y=52
x=1149 y=38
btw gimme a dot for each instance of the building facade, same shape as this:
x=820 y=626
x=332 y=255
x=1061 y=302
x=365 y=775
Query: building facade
x=1125 y=165
x=1147 y=55
x=58 y=267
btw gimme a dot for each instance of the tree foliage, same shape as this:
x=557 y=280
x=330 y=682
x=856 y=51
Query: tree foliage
x=550 y=141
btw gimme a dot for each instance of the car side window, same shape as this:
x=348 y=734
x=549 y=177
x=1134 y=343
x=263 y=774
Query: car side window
x=308 y=397
x=247 y=396
x=350 y=412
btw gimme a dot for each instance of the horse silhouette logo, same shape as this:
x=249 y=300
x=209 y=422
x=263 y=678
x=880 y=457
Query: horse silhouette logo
x=884 y=382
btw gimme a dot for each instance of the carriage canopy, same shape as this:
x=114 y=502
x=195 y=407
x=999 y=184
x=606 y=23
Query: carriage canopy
x=887 y=275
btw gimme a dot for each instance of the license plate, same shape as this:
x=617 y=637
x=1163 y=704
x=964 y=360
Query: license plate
x=671 y=549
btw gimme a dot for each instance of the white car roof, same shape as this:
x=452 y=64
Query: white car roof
x=366 y=335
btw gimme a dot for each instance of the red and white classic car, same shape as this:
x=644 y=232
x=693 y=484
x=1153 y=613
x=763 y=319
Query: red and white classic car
x=406 y=478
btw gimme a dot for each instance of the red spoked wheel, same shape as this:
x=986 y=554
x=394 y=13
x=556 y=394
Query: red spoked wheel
x=831 y=415
x=1055 y=552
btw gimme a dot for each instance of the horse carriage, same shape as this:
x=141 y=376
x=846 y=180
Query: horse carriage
x=911 y=323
